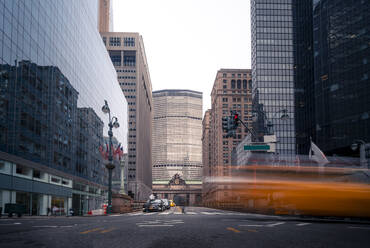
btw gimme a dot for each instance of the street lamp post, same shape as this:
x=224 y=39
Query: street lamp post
x=270 y=125
x=113 y=122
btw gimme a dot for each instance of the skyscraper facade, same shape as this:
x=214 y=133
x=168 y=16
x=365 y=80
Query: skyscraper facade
x=231 y=92
x=341 y=74
x=127 y=53
x=105 y=16
x=273 y=70
x=177 y=130
x=206 y=145
x=177 y=144
x=55 y=76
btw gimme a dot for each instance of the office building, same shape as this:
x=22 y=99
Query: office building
x=105 y=16
x=127 y=53
x=54 y=77
x=177 y=144
x=273 y=70
x=341 y=74
x=206 y=146
x=231 y=92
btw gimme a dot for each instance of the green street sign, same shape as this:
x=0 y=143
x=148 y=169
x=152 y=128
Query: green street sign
x=256 y=147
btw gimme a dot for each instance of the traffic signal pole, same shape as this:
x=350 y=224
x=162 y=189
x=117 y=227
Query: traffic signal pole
x=236 y=119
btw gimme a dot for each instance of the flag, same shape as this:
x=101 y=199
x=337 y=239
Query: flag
x=317 y=155
x=117 y=150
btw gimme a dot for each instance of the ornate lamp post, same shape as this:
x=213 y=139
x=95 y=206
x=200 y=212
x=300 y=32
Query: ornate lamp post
x=113 y=122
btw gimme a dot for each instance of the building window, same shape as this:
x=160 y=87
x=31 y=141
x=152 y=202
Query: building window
x=114 y=41
x=239 y=84
x=225 y=105
x=244 y=84
x=129 y=41
x=224 y=75
x=129 y=59
x=55 y=180
x=36 y=174
x=232 y=84
x=115 y=56
x=224 y=99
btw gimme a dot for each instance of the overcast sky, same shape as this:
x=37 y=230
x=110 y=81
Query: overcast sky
x=187 y=41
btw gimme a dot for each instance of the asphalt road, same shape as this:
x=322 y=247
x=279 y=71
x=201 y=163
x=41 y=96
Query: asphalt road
x=198 y=227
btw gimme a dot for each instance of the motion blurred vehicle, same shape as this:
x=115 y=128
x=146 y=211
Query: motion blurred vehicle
x=166 y=203
x=154 y=205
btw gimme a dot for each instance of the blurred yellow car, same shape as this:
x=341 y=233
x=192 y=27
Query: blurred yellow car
x=172 y=204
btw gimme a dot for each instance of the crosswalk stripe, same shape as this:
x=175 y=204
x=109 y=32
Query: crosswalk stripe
x=134 y=214
x=186 y=212
x=208 y=213
x=164 y=213
x=303 y=224
x=275 y=224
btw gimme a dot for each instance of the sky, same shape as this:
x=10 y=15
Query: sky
x=188 y=41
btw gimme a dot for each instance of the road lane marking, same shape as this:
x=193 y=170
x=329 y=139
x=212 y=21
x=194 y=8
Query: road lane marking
x=134 y=214
x=251 y=230
x=191 y=213
x=46 y=226
x=150 y=213
x=164 y=213
x=207 y=213
x=233 y=229
x=108 y=230
x=114 y=215
x=252 y=225
x=303 y=224
x=92 y=230
x=275 y=224
x=172 y=222
x=148 y=223
x=177 y=213
x=154 y=225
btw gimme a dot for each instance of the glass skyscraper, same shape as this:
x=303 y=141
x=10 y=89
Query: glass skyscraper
x=341 y=73
x=273 y=70
x=55 y=74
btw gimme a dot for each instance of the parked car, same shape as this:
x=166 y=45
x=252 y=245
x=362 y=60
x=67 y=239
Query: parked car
x=154 y=205
x=166 y=203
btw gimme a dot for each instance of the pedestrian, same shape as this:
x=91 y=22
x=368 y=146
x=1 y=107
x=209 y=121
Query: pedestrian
x=48 y=211
x=55 y=209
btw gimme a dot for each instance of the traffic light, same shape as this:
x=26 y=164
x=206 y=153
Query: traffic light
x=230 y=124
x=235 y=120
